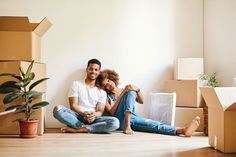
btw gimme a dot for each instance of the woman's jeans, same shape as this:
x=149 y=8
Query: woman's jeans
x=102 y=124
x=127 y=104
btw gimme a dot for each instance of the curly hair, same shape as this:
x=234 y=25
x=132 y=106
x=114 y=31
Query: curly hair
x=107 y=74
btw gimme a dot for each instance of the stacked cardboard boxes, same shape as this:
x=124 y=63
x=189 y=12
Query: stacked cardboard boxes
x=20 y=43
x=189 y=102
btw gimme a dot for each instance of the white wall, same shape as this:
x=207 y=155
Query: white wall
x=220 y=39
x=138 y=38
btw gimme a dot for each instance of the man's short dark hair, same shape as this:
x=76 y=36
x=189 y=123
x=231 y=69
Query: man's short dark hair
x=94 y=61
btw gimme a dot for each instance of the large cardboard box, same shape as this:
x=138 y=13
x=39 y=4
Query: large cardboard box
x=20 y=39
x=184 y=116
x=8 y=127
x=13 y=67
x=187 y=92
x=188 y=68
x=221 y=102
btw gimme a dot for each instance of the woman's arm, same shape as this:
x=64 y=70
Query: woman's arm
x=140 y=98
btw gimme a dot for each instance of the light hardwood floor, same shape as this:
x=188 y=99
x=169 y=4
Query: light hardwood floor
x=55 y=144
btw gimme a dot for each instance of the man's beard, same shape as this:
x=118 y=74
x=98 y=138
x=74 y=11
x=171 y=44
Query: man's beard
x=91 y=78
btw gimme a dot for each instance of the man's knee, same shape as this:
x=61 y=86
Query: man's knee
x=115 y=123
x=57 y=108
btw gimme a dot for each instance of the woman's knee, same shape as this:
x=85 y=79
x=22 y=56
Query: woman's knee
x=131 y=94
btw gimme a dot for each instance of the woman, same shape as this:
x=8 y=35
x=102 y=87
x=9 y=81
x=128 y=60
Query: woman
x=121 y=104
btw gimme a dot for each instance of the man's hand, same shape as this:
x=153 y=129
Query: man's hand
x=90 y=116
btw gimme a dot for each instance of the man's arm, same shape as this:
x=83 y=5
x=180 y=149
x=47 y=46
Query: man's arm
x=73 y=101
x=99 y=109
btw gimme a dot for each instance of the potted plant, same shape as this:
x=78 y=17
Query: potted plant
x=210 y=79
x=22 y=90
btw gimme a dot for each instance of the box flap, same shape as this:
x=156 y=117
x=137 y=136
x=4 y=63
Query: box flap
x=226 y=96
x=210 y=97
x=12 y=23
x=33 y=26
x=43 y=26
x=232 y=107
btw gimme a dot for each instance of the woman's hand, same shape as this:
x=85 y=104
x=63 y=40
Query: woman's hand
x=131 y=87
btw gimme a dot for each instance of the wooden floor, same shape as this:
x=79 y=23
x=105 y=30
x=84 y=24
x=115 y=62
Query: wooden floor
x=55 y=144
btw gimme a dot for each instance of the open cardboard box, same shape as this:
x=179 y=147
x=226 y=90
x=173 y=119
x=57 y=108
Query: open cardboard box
x=221 y=102
x=20 y=39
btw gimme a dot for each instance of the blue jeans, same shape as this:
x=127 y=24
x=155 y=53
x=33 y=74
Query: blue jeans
x=127 y=104
x=102 y=124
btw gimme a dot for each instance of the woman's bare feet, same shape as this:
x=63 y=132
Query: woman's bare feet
x=128 y=131
x=67 y=129
x=189 y=130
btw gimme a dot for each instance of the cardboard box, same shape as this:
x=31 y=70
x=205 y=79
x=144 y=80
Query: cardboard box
x=20 y=39
x=188 y=68
x=187 y=92
x=13 y=67
x=8 y=127
x=184 y=116
x=221 y=102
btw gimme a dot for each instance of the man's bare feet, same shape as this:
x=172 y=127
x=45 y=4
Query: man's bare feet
x=128 y=131
x=189 y=130
x=67 y=129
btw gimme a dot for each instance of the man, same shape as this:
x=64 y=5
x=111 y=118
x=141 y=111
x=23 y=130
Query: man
x=87 y=103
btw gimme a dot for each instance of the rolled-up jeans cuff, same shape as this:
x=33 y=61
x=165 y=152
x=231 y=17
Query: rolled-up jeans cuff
x=88 y=127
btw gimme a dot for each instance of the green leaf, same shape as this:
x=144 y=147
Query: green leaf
x=39 y=105
x=29 y=69
x=31 y=76
x=7 y=90
x=23 y=84
x=12 y=75
x=10 y=84
x=13 y=107
x=9 y=87
x=11 y=97
x=18 y=119
x=22 y=71
x=22 y=108
x=33 y=94
x=36 y=83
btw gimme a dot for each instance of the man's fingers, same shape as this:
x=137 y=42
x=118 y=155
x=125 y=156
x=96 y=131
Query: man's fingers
x=90 y=115
x=90 y=120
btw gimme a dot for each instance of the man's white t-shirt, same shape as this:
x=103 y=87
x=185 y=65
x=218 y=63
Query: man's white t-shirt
x=88 y=97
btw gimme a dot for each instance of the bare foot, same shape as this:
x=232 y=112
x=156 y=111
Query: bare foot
x=128 y=131
x=189 y=130
x=67 y=129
